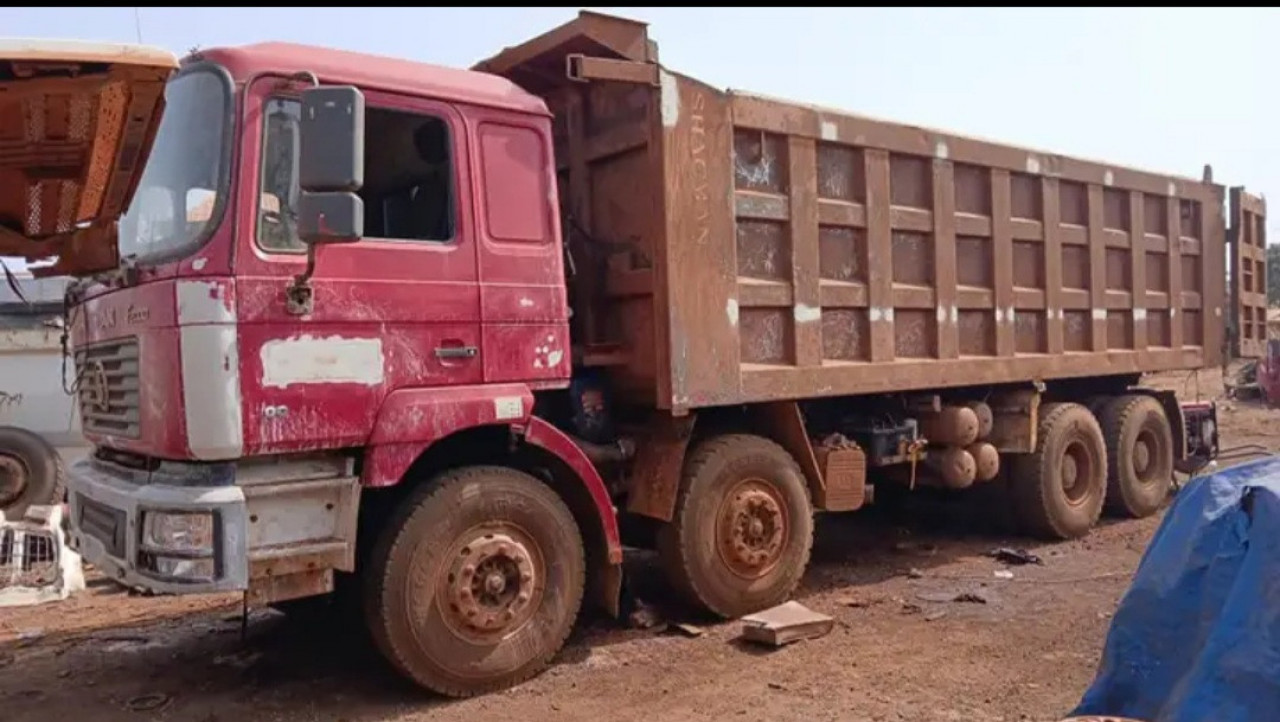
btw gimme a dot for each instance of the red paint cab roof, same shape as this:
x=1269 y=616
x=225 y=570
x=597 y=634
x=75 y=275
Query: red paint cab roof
x=378 y=72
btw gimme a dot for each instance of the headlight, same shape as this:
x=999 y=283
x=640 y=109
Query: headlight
x=195 y=570
x=184 y=533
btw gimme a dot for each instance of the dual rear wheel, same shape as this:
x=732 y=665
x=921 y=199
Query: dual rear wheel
x=1120 y=461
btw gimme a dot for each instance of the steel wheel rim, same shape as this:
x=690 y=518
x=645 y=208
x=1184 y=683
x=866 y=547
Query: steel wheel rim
x=752 y=528
x=492 y=582
x=1077 y=470
x=14 y=477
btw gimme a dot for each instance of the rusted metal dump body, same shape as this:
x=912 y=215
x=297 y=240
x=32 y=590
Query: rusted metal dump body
x=732 y=248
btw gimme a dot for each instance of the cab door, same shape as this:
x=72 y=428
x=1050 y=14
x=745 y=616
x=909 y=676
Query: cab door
x=1247 y=237
x=399 y=308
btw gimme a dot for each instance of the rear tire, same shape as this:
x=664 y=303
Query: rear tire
x=1139 y=455
x=1058 y=489
x=476 y=582
x=743 y=527
x=31 y=472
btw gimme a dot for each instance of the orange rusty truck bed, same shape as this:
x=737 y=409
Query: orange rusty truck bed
x=731 y=248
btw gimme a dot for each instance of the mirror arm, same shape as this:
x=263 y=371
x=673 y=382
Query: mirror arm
x=306 y=75
x=299 y=297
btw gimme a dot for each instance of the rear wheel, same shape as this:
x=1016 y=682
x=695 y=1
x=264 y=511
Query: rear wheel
x=1059 y=488
x=1139 y=455
x=476 y=583
x=743 y=527
x=31 y=472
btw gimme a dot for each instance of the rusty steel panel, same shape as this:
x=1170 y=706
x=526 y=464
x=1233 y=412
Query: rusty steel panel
x=733 y=248
x=1248 y=239
x=76 y=123
x=946 y=261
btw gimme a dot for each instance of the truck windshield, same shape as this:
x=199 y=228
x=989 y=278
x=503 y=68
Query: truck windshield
x=179 y=199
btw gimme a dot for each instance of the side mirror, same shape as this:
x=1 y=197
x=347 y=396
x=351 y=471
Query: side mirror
x=330 y=217
x=331 y=165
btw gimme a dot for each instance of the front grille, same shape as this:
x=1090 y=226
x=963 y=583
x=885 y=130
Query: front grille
x=107 y=379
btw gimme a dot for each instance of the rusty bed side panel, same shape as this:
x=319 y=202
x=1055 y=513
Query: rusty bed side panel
x=700 y=278
x=1249 y=273
x=870 y=256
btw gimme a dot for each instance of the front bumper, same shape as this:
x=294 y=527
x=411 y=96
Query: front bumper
x=107 y=504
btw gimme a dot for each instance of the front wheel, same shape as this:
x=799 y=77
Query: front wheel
x=476 y=583
x=743 y=527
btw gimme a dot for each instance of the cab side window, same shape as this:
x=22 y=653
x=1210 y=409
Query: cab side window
x=409 y=181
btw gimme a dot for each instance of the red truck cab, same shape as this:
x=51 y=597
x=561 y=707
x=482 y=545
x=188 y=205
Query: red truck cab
x=243 y=387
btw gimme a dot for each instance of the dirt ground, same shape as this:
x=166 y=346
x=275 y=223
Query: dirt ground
x=1025 y=653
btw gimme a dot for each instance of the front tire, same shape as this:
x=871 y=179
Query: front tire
x=476 y=582
x=743 y=527
x=1059 y=489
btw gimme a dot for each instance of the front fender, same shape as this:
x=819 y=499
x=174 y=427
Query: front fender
x=554 y=441
x=410 y=420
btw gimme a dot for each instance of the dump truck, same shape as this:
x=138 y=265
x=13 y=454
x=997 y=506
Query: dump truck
x=446 y=340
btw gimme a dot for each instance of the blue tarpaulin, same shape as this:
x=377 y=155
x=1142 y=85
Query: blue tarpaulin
x=1197 y=636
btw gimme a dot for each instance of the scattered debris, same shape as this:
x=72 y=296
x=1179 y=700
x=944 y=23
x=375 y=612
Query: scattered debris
x=936 y=596
x=239 y=660
x=148 y=702
x=784 y=624
x=974 y=597
x=689 y=630
x=912 y=547
x=645 y=616
x=1015 y=557
x=855 y=603
x=1003 y=574
x=36 y=565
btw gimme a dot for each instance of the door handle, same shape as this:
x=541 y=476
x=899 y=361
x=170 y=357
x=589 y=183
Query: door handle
x=453 y=352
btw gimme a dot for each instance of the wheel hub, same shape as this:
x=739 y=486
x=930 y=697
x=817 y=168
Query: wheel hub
x=752 y=529
x=1069 y=471
x=1141 y=457
x=492 y=585
x=1078 y=468
x=13 y=479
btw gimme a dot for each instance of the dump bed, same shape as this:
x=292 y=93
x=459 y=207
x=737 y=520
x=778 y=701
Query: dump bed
x=732 y=248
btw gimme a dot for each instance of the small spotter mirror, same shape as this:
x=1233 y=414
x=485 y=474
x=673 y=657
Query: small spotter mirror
x=330 y=217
